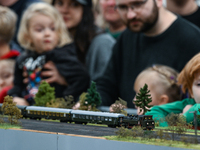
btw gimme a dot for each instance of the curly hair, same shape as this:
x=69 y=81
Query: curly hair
x=188 y=74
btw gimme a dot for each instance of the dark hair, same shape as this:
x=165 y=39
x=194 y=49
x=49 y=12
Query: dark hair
x=85 y=32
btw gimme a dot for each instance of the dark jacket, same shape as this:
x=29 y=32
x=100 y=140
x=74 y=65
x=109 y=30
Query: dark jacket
x=67 y=64
x=133 y=52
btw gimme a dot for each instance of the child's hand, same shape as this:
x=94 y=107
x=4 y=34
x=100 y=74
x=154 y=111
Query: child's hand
x=20 y=101
x=53 y=74
x=76 y=106
x=187 y=108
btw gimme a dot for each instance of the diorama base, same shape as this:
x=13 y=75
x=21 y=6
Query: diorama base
x=21 y=139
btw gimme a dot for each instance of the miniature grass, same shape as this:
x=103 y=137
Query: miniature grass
x=157 y=142
x=9 y=126
x=189 y=131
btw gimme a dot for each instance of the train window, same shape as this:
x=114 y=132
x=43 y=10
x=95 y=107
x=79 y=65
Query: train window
x=35 y=113
x=46 y=113
x=150 y=118
x=61 y=115
x=95 y=118
x=102 y=118
x=38 y=113
x=145 y=118
x=83 y=116
x=106 y=119
x=57 y=114
x=80 y=116
x=98 y=118
x=87 y=117
x=110 y=119
x=91 y=117
x=42 y=113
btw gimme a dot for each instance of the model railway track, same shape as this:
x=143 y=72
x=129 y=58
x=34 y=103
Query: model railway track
x=68 y=128
x=84 y=117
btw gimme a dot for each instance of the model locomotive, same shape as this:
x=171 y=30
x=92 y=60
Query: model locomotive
x=80 y=117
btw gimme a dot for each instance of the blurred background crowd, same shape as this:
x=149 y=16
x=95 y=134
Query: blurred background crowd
x=119 y=44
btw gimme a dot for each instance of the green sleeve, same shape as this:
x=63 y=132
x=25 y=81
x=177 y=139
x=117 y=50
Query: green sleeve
x=190 y=116
x=161 y=111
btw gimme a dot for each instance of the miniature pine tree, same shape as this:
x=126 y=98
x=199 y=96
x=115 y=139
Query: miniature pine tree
x=9 y=108
x=143 y=99
x=92 y=97
x=45 y=94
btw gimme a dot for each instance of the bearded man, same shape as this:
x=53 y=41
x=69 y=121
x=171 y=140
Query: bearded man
x=154 y=35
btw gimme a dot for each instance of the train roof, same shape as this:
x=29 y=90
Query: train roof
x=95 y=113
x=38 y=108
x=21 y=107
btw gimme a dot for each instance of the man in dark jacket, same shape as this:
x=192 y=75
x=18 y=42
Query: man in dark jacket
x=154 y=36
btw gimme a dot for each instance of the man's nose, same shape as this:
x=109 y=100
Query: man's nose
x=131 y=14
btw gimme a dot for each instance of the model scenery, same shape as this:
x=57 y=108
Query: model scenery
x=81 y=116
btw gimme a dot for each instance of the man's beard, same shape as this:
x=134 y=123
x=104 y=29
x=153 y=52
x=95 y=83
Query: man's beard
x=147 y=24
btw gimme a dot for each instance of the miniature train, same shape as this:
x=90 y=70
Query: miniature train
x=84 y=117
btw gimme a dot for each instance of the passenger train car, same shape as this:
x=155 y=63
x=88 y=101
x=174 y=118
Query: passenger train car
x=81 y=116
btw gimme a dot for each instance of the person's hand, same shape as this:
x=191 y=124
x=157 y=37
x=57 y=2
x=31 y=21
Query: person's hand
x=76 y=106
x=25 y=75
x=117 y=106
x=187 y=107
x=20 y=101
x=52 y=74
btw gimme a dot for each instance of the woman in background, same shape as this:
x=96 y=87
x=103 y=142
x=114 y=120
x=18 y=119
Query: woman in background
x=94 y=47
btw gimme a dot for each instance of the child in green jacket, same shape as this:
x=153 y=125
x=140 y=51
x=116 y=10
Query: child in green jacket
x=189 y=78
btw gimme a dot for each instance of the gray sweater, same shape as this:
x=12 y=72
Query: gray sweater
x=98 y=55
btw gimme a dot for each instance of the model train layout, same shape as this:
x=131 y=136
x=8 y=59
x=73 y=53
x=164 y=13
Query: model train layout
x=84 y=117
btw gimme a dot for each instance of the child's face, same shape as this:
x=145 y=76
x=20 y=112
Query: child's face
x=43 y=34
x=196 y=88
x=6 y=76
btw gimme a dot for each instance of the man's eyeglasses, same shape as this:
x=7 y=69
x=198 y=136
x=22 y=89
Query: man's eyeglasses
x=134 y=6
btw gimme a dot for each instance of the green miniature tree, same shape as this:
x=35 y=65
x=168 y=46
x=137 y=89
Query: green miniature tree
x=123 y=132
x=119 y=106
x=143 y=99
x=45 y=94
x=1 y=119
x=9 y=108
x=92 y=97
x=176 y=124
